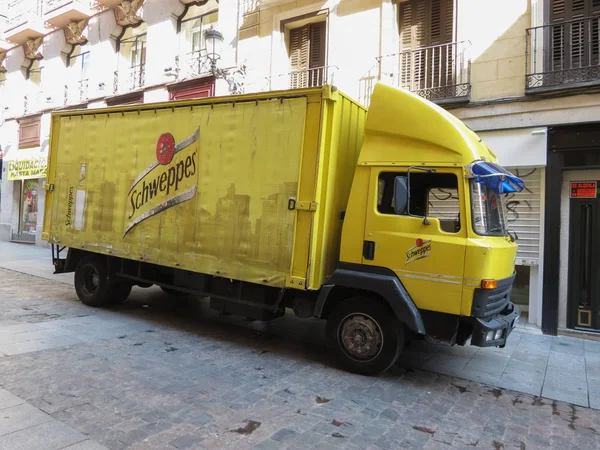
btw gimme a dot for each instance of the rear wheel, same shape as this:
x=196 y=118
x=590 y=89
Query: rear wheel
x=121 y=291
x=364 y=336
x=91 y=281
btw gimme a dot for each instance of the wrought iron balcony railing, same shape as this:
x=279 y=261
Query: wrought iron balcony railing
x=76 y=93
x=440 y=73
x=34 y=102
x=249 y=6
x=563 y=55
x=129 y=80
x=317 y=76
x=195 y=64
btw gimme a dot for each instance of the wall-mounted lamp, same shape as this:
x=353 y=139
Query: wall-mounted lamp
x=214 y=48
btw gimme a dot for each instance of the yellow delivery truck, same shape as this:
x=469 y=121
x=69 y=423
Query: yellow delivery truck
x=387 y=223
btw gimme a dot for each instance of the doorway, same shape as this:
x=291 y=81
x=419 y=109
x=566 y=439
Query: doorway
x=584 y=256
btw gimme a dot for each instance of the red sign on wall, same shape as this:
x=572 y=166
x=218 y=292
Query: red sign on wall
x=583 y=189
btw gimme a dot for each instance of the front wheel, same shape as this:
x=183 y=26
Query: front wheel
x=364 y=336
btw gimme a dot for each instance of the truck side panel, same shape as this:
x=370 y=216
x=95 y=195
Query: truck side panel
x=202 y=187
x=342 y=137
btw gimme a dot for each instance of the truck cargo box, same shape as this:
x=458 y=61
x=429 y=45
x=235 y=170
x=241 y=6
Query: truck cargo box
x=249 y=187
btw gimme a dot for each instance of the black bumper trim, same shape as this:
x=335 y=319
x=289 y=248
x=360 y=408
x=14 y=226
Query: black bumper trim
x=505 y=321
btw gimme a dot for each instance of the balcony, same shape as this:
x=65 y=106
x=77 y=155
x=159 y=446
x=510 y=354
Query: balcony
x=440 y=73
x=24 y=21
x=76 y=93
x=35 y=102
x=317 y=76
x=130 y=79
x=59 y=13
x=563 y=56
x=193 y=64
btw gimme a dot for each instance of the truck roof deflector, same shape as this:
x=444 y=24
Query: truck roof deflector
x=495 y=177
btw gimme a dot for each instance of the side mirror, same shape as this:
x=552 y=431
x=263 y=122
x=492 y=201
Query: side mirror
x=401 y=195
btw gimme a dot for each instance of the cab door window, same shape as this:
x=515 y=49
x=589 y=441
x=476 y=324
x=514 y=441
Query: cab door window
x=433 y=195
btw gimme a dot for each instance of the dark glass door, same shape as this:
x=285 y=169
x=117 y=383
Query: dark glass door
x=584 y=264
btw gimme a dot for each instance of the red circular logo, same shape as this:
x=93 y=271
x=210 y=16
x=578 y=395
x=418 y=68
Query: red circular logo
x=419 y=242
x=165 y=148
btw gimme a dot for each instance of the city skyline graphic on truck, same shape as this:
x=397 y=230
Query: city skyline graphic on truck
x=167 y=182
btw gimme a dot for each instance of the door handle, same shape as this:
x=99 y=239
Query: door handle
x=369 y=250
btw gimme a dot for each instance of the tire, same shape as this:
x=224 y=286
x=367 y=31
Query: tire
x=120 y=292
x=357 y=320
x=91 y=281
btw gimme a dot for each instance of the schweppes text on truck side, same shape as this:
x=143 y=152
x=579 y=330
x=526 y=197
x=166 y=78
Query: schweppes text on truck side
x=166 y=182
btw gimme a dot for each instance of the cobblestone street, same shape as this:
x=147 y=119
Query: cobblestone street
x=156 y=373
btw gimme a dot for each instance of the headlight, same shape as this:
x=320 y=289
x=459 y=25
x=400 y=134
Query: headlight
x=494 y=335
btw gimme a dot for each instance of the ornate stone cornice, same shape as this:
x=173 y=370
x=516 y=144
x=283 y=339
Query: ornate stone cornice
x=74 y=33
x=127 y=12
x=31 y=48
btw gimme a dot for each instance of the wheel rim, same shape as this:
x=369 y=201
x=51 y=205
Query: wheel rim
x=360 y=337
x=91 y=281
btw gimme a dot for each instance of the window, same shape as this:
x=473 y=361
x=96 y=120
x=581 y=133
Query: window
x=192 y=48
x=132 y=66
x=307 y=52
x=433 y=195
x=489 y=215
x=80 y=64
x=425 y=25
x=575 y=38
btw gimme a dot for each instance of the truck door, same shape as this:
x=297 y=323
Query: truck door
x=428 y=259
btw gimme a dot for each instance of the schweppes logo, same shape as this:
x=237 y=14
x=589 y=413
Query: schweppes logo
x=168 y=181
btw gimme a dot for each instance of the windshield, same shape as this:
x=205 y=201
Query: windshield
x=489 y=217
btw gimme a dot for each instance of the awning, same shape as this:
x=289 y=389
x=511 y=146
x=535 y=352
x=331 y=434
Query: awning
x=26 y=164
x=495 y=177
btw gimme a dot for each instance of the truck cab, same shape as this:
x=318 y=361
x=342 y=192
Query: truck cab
x=425 y=229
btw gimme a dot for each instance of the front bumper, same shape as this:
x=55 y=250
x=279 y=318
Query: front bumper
x=504 y=323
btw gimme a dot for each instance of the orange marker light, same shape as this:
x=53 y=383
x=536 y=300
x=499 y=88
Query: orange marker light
x=489 y=284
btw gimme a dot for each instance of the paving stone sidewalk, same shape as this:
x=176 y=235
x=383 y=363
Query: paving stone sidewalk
x=153 y=374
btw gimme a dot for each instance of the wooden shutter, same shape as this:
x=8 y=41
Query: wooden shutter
x=423 y=24
x=307 y=55
x=299 y=56
x=317 y=54
x=574 y=43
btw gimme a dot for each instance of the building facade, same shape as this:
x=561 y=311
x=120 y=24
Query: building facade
x=522 y=73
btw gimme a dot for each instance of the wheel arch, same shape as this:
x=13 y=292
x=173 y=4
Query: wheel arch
x=358 y=279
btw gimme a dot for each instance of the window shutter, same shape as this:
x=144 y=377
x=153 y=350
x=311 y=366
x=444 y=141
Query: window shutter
x=571 y=39
x=299 y=52
x=423 y=24
x=317 y=54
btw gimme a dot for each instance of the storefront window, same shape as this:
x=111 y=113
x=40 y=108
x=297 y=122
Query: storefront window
x=30 y=206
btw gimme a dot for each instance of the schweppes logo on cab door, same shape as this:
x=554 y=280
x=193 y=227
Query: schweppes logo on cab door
x=167 y=182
